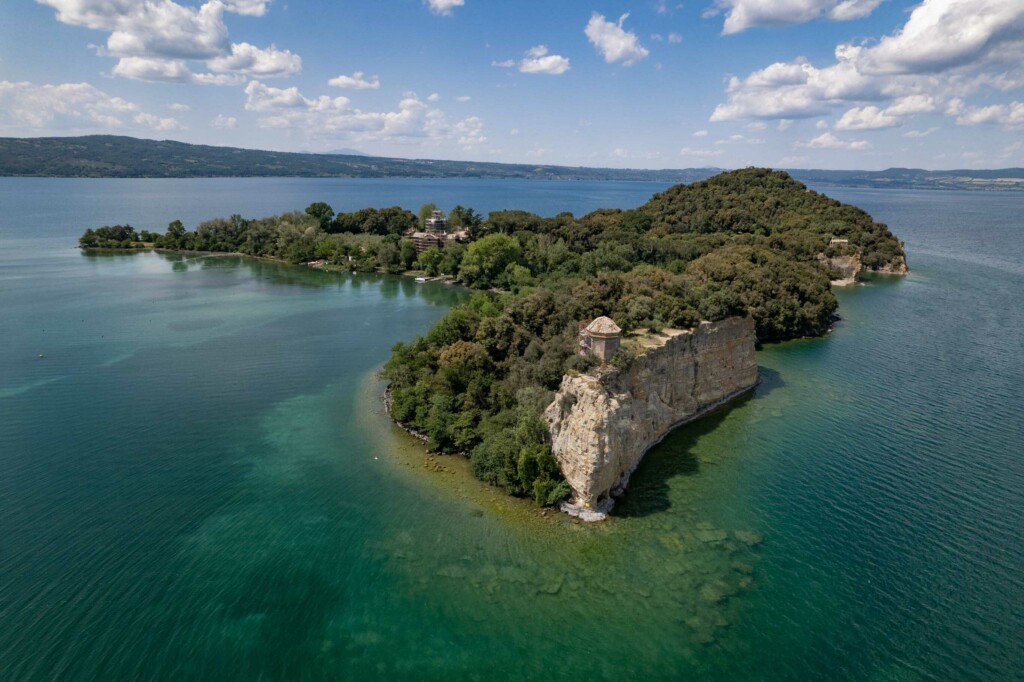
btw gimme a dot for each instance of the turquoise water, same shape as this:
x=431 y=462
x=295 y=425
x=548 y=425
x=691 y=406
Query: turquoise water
x=197 y=479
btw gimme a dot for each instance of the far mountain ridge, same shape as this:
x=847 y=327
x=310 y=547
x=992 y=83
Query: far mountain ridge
x=114 y=156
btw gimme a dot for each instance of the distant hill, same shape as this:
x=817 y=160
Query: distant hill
x=111 y=156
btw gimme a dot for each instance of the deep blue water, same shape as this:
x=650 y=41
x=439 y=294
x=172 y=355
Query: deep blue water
x=197 y=480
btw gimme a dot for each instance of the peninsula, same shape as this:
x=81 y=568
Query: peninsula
x=587 y=339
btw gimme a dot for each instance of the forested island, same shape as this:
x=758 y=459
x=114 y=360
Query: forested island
x=753 y=242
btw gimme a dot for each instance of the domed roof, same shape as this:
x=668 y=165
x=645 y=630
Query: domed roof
x=603 y=326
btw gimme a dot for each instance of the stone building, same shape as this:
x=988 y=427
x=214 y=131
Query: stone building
x=436 y=222
x=600 y=339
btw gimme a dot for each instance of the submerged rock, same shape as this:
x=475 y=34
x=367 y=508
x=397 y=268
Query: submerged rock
x=749 y=537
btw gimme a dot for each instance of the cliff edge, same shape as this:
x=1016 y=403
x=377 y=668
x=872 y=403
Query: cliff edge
x=603 y=423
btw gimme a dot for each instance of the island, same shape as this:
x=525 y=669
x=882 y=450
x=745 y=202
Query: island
x=587 y=340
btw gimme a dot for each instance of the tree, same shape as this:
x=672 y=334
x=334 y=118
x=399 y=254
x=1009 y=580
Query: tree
x=408 y=253
x=174 y=235
x=465 y=218
x=323 y=213
x=425 y=211
x=430 y=260
x=487 y=258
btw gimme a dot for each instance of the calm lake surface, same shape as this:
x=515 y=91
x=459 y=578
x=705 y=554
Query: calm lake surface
x=198 y=480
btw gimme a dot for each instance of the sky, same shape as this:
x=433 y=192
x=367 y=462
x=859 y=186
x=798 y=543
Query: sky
x=856 y=84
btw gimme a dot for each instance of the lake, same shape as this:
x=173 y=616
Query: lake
x=199 y=481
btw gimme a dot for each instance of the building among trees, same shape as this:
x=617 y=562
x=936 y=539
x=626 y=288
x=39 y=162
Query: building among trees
x=600 y=338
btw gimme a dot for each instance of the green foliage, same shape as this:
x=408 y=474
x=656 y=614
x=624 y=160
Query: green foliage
x=743 y=242
x=323 y=213
x=740 y=243
x=425 y=211
x=109 y=237
x=486 y=260
x=379 y=221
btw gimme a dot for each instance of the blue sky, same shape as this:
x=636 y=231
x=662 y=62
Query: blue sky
x=652 y=83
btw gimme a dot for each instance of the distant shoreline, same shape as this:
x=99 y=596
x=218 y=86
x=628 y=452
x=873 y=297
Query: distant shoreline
x=112 y=156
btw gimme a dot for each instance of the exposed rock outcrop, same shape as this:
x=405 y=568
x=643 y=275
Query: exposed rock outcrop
x=602 y=424
x=897 y=266
x=848 y=266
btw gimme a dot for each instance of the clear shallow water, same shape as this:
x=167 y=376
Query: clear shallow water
x=198 y=480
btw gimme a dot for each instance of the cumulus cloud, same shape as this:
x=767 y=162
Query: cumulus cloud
x=675 y=38
x=830 y=141
x=461 y=98
x=743 y=14
x=537 y=60
x=154 y=122
x=336 y=118
x=155 y=39
x=866 y=118
x=179 y=107
x=615 y=43
x=26 y=106
x=356 y=81
x=444 y=7
x=947 y=49
x=142 y=68
x=1010 y=116
x=250 y=60
x=224 y=122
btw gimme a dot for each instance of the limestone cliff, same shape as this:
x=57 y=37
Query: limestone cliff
x=849 y=266
x=602 y=424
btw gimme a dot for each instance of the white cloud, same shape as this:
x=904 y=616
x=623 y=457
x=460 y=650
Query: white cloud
x=26 y=106
x=830 y=141
x=415 y=121
x=444 y=7
x=155 y=39
x=179 y=107
x=942 y=34
x=946 y=50
x=1009 y=116
x=701 y=133
x=157 y=122
x=675 y=38
x=920 y=133
x=538 y=60
x=866 y=118
x=689 y=152
x=821 y=125
x=357 y=81
x=144 y=69
x=613 y=41
x=514 y=131
x=252 y=8
x=743 y=14
x=469 y=132
x=433 y=97
x=462 y=98
x=504 y=64
x=785 y=124
x=224 y=122
x=252 y=61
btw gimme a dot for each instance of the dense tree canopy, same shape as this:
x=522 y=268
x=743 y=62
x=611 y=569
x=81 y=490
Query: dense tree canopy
x=743 y=242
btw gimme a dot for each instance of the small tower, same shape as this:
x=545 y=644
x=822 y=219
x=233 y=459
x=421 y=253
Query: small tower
x=436 y=222
x=600 y=339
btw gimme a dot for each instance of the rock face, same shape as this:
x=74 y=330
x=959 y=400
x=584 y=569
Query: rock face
x=601 y=426
x=897 y=266
x=848 y=266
